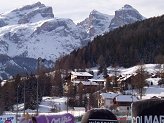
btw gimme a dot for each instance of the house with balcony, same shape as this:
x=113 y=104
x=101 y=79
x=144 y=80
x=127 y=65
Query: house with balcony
x=100 y=82
x=80 y=76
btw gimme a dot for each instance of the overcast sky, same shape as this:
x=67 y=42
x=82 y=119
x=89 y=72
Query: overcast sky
x=78 y=10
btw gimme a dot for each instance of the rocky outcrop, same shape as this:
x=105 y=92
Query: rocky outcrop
x=126 y=15
x=97 y=23
x=44 y=13
x=27 y=14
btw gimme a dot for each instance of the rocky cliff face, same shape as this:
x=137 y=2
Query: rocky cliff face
x=126 y=15
x=96 y=24
x=27 y=14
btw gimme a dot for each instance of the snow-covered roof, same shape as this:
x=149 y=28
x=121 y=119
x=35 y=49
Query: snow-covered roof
x=89 y=83
x=3 y=82
x=126 y=98
x=81 y=74
x=76 y=82
x=85 y=82
x=153 y=91
x=96 y=80
x=109 y=95
x=161 y=94
x=125 y=77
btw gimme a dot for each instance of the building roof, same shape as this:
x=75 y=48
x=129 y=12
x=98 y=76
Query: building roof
x=161 y=94
x=125 y=77
x=89 y=83
x=96 y=80
x=85 y=82
x=109 y=95
x=81 y=74
x=126 y=98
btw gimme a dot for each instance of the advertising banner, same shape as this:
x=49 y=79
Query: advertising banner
x=148 y=111
x=7 y=119
x=65 y=118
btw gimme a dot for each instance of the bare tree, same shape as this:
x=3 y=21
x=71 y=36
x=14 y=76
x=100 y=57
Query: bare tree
x=138 y=81
x=108 y=85
x=57 y=84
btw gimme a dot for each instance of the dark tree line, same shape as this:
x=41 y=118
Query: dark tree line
x=125 y=46
x=20 y=89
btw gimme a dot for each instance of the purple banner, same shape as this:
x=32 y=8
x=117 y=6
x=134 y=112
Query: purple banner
x=65 y=118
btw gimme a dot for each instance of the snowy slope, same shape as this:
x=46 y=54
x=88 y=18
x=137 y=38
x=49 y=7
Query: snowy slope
x=47 y=39
x=32 y=31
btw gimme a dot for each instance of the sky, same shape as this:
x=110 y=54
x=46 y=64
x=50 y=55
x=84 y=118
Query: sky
x=78 y=10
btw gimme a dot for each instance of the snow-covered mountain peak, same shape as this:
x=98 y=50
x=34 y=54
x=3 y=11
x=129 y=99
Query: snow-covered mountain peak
x=95 y=12
x=96 y=24
x=27 y=14
x=125 y=15
x=127 y=7
x=30 y=7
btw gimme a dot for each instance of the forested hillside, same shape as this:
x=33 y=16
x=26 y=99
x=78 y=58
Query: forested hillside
x=125 y=46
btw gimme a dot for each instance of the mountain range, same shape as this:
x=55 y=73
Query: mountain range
x=98 y=23
x=33 y=31
x=138 y=43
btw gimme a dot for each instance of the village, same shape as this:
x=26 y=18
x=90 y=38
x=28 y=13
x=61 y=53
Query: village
x=116 y=91
x=86 y=90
